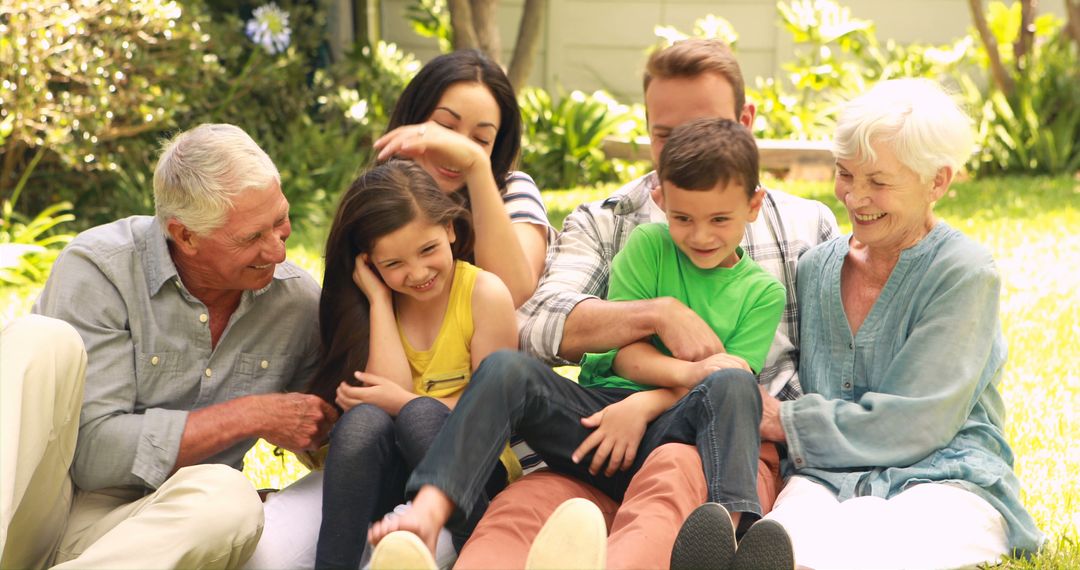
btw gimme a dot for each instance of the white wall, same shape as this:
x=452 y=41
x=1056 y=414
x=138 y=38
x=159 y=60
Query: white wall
x=601 y=44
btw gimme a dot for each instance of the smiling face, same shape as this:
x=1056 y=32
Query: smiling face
x=241 y=254
x=890 y=207
x=468 y=109
x=672 y=101
x=707 y=225
x=416 y=259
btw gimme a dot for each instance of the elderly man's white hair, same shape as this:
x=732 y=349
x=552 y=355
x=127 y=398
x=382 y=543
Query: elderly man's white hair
x=200 y=172
x=919 y=121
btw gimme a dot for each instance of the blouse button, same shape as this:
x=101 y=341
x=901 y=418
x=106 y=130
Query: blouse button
x=203 y=318
x=264 y=364
x=847 y=385
x=851 y=345
x=154 y=361
x=798 y=460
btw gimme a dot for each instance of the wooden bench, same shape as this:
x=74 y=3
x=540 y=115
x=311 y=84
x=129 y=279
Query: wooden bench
x=804 y=160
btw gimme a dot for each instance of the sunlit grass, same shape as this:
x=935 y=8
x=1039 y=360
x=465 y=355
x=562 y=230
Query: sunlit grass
x=1031 y=226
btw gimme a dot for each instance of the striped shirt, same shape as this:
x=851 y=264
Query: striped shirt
x=579 y=264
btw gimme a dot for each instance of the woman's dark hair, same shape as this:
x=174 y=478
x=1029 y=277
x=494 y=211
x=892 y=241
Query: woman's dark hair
x=379 y=201
x=422 y=94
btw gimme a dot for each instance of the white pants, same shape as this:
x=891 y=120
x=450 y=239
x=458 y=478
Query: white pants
x=927 y=526
x=205 y=516
x=291 y=531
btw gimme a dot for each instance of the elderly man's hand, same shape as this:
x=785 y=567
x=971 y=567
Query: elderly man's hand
x=295 y=421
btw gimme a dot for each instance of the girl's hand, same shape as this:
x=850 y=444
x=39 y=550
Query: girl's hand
x=375 y=390
x=368 y=281
x=619 y=429
x=440 y=145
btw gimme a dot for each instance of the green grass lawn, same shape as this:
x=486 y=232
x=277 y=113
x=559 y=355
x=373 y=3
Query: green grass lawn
x=1031 y=226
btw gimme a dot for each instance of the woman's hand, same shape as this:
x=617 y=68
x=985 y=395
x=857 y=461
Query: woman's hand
x=441 y=146
x=619 y=429
x=375 y=390
x=368 y=281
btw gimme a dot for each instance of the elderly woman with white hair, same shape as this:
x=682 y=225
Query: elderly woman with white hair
x=896 y=451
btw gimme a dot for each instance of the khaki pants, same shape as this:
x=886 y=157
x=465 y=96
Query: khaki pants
x=205 y=516
x=641 y=531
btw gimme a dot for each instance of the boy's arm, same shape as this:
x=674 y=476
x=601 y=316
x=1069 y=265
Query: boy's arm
x=620 y=427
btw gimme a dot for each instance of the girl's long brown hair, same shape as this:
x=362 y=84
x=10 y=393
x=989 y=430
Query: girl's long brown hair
x=379 y=201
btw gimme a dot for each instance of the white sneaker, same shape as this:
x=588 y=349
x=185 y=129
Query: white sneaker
x=573 y=538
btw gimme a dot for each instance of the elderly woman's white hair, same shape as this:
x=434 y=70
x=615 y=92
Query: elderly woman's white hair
x=200 y=172
x=919 y=121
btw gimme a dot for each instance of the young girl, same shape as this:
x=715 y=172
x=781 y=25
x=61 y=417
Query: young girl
x=459 y=119
x=399 y=305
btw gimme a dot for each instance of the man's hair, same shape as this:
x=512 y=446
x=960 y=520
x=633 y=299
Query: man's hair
x=704 y=153
x=201 y=171
x=919 y=121
x=692 y=57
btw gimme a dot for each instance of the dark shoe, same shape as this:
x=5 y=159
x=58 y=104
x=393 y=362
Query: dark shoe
x=706 y=540
x=766 y=546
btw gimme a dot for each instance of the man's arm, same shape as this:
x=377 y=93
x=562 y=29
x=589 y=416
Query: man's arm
x=117 y=444
x=567 y=316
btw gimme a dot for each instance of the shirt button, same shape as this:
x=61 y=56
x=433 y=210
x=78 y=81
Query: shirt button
x=203 y=318
x=265 y=364
x=208 y=372
x=851 y=345
x=847 y=385
x=798 y=460
x=154 y=361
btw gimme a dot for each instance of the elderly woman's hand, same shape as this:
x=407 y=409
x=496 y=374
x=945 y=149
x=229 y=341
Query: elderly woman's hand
x=771 y=427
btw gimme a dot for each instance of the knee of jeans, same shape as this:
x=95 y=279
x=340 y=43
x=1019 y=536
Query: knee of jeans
x=219 y=502
x=731 y=385
x=501 y=369
x=423 y=410
x=359 y=428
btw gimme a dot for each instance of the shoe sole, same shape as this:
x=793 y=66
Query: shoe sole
x=766 y=546
x=705 y=541
x=401 y=550
x=573 y=538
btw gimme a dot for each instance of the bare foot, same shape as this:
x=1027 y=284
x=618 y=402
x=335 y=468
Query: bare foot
x=430 y=510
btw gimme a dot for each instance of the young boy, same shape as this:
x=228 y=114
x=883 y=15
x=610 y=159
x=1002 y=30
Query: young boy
x=708 y=171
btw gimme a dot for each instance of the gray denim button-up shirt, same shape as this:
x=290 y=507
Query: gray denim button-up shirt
x=149 y=351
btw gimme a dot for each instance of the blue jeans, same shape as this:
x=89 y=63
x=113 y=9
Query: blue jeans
x=370 y=456
x=512 y=392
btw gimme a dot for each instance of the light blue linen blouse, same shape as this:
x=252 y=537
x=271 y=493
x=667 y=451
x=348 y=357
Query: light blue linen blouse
x=912 y=397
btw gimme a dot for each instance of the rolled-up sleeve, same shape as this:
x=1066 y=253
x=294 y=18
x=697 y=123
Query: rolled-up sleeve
x=117 y=445
x=577 y=269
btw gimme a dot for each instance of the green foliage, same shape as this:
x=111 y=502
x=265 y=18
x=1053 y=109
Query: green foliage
x=95 y=87
x=28 y=247
x=431 y=19
x=1037 y=127
x=562 y=142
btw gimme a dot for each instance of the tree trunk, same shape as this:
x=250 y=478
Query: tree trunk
x=1026 y=37
x=528 y=38
x=486 y=25
x=1072 y=14
x=1001 y=76
x=461 y=20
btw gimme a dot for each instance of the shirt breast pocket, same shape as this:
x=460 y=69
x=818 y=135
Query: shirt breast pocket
x=160 y=381
x=444 y=385
x=262 y=373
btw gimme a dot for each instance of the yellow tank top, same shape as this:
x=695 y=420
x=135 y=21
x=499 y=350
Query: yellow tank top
x=443 y=370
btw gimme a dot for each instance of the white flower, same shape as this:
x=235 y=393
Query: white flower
x=269 y=27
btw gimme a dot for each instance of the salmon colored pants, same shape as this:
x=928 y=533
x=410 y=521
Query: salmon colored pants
x=641 y=531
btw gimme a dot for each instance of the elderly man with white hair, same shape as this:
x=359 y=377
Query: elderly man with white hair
x=198 y=336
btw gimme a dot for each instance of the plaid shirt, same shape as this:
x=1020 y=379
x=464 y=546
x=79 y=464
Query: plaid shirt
x=579 y=264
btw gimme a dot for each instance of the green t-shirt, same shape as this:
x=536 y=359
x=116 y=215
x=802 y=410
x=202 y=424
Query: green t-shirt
x=743 y=304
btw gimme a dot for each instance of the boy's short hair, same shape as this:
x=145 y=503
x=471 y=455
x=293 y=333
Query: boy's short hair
x=703 y=153
x=693 y=57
